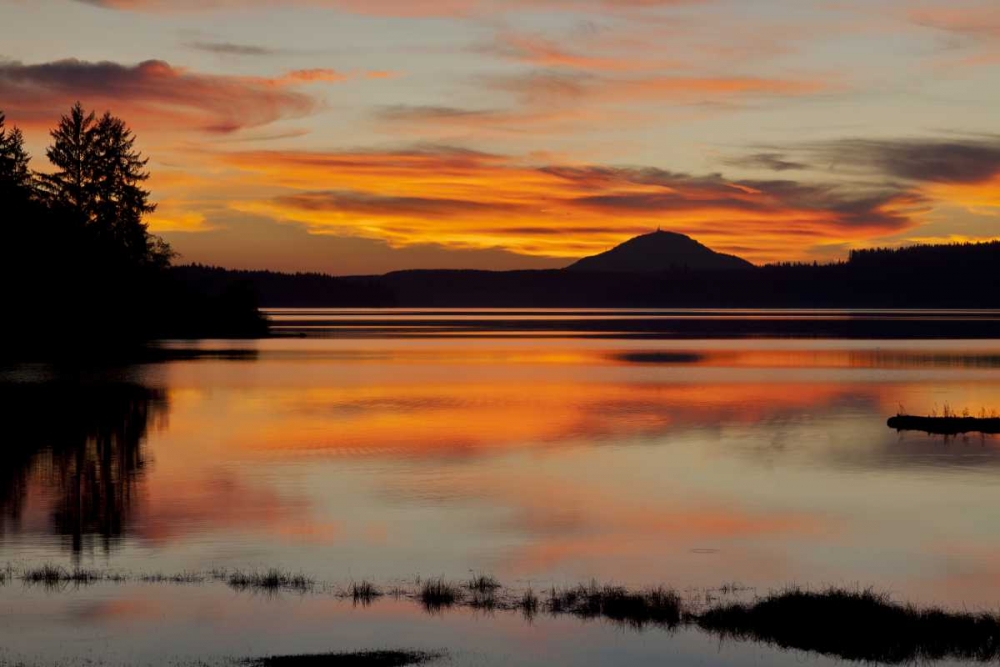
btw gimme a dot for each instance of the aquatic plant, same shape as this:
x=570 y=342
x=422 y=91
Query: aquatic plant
x=272 y=580
x=483 y=583
x=438 y=594
x=364 y=592
x=660 y=606
x=528 y=603
x=359 y=659
x=53 y=576
x=863 y=625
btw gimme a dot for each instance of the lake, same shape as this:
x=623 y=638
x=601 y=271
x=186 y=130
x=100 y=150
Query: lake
x=395 y=445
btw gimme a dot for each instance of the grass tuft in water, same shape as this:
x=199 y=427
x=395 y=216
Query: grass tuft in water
x=364 y=592
x=659 y=606
x=272 y=580
x=438 y=594
x=483 y=583
x=528 y=603
x=53 y=576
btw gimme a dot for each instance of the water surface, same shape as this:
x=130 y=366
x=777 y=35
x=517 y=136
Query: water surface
x=517 y=443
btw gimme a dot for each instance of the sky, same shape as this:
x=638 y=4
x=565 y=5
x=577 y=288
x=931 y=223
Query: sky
x=365 y=136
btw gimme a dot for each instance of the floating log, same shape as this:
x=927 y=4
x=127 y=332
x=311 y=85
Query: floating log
x=945 y=425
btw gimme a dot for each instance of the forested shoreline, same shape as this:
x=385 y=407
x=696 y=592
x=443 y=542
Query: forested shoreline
x=927 y=276
x=80 y=268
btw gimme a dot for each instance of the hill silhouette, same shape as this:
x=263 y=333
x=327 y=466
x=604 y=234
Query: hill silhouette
x=943 y=276
x=659 y=251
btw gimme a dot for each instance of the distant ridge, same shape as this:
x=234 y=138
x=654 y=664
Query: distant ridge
x=939 y=277
x=659 y=251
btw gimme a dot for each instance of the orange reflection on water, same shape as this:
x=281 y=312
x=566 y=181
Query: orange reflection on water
x=463 y=417
x=638 y=461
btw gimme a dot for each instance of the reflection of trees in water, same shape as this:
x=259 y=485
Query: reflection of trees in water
x=82 y=445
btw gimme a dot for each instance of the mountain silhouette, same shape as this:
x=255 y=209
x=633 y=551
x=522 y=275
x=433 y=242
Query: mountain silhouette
x=659 y=251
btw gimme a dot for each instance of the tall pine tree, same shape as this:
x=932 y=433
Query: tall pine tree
x=99 y=177
x=15 y=174
x=120 y=201
x=73 y=152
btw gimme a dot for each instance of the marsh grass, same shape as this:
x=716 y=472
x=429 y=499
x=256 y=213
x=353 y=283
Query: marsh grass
x=483 y=583
x=53 y=576
x=862 y=625
x=272 y=580
x=484 y=593
x=437 y=594
x=528 y=604
x=179 y=578
x=659 y=606
x=364 y=592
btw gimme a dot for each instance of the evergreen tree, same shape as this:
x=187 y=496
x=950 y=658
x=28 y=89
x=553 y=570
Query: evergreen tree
x=100 y=177
x=119 y=200
x=73 y=153
x=15 y=174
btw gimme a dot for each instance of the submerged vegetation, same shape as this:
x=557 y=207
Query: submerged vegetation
x=658 y=606
x=860 y=624
x=857 y=625
x=359 y=659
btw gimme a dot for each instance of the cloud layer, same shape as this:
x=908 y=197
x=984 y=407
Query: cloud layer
x=467 y=199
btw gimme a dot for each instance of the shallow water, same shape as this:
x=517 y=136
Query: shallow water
x=542 y=455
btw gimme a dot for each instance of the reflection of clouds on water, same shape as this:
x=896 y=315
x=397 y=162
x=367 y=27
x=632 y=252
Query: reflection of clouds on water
x=465 y=418
x=760 y=461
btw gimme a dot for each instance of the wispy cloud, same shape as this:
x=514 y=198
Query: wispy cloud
x=154 y=92
x=973 y=160
x=547 y=53
x=549 y=86
x=768 y=161
x=231 y=49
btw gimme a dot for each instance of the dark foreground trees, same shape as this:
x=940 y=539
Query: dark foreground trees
x=78 y=265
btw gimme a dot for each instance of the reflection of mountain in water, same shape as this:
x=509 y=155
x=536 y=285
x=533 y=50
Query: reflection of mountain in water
x=83 y=446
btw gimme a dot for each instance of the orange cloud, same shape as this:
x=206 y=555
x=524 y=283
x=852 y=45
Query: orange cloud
x=546 y=53
x=974 y=20
x=466 y=199
x=312 y=76
x=981 y=198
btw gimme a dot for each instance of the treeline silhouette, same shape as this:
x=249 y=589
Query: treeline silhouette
x=82 y=445
x=78 y=264
x=938 y=276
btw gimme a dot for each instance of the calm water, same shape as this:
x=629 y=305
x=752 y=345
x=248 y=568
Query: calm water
x=391 y=445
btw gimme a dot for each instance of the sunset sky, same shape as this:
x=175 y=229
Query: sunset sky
x=363 y=136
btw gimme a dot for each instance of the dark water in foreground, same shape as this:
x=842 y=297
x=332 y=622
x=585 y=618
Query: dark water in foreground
x=544 y=453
